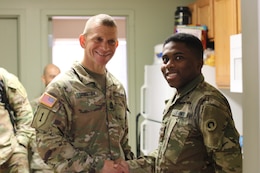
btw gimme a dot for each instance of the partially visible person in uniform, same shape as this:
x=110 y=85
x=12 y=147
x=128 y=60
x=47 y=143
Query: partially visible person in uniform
x=50 y=71
x=198 y=133
x=81 y=120
x=15 y=127
x=37 y=164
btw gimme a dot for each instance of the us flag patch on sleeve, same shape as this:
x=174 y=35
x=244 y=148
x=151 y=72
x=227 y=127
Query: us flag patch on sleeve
x=48 y=100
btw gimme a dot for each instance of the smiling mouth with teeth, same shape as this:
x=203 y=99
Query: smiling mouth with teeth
x=171 y=75
x=100 y=54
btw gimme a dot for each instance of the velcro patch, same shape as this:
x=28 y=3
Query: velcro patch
x=41 y=117
x=48 y=100
x=211 y=125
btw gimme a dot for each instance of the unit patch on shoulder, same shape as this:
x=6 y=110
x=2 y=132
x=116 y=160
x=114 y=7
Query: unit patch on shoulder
x=211 y=124
x=41 y=117
x=48 y=100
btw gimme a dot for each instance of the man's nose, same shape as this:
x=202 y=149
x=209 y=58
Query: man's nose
x=105 y=45
x=170 y=63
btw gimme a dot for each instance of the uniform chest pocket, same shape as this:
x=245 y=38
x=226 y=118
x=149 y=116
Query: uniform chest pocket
x=116 y=107
x=176 y=135
x=117 y=103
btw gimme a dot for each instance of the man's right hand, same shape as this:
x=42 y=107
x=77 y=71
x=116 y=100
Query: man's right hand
x=118 y=166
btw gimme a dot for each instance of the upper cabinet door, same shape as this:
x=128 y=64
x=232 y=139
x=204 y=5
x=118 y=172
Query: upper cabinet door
x=225 y=25
x=202 y=14
x=223 y=19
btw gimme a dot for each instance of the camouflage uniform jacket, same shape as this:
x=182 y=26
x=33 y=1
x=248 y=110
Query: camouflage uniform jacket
x=198 y=135
x=11 y=142
x=78 y=126
x=36 y=162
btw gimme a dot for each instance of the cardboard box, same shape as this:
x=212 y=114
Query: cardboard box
x=198 y=31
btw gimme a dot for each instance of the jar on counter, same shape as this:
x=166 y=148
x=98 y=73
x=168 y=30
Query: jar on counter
x=182 y=16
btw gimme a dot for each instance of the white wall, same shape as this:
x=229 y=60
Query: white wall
x=251 y=79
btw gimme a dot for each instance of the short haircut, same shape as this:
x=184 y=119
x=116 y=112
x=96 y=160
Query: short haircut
x=102 y=19
x=191 y=41
x=49 y=66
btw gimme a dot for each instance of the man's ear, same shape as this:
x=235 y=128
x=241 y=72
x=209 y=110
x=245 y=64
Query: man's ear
x=117 y=43
x=82 y=40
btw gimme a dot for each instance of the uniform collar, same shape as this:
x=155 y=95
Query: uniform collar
x=191 y=85
x=86 y=78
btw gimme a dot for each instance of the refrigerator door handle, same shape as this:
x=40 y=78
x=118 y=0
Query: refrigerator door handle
x=142 y=138
x=143 y=101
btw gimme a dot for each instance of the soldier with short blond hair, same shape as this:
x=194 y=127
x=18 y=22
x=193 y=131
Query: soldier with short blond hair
x=81 y=121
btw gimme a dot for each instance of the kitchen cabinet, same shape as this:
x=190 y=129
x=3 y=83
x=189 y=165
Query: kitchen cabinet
x=239 y=16
x=225 y=24
x=223 y=19
x=202 y=14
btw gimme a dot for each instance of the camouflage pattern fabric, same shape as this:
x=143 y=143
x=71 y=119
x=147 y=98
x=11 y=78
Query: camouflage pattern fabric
x=34 y=103
x=37 y=164
x=17 y=163
x=13 y=146
x=78 y=125
x=198 y=135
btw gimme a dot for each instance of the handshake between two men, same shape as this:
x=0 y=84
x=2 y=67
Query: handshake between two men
x=117 y=166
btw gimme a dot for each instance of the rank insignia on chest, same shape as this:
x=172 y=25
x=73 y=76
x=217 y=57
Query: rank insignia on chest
x=48 y=100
